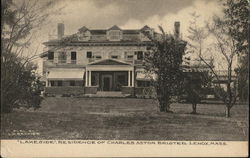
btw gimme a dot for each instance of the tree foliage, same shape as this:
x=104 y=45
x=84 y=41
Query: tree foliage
x=224 y=46
x=237 y=19
x=19 y=83
x=165 y=61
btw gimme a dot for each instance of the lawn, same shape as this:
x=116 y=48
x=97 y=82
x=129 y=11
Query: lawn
x=125 y=119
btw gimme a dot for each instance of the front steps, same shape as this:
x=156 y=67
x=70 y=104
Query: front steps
x=105 y=94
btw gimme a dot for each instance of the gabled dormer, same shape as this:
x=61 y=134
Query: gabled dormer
x=145 y=31
x=83 y=34
x=114 y=33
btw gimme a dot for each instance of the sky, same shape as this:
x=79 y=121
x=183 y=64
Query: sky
x=127 y=14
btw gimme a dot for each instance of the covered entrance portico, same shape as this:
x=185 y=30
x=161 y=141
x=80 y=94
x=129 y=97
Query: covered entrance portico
x=108 y=75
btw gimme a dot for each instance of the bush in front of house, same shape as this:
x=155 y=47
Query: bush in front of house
x=20 y=86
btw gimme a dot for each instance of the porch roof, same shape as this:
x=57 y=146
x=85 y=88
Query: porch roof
x=109 y=62
x=109 y=65
x=66 y=74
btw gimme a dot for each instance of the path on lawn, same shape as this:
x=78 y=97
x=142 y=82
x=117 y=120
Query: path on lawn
x=131 y=119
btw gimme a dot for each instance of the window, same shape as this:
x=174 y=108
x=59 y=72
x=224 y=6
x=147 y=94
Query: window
x=98 y=57
x=59 y=83
x=73 y=55
x=62 y=57
x=72 y=83
x=115 y=35
x=130 y=56
x=114 y=56
x=52 y=83
x=140 y=55
x=50 y=55
x=89 y=54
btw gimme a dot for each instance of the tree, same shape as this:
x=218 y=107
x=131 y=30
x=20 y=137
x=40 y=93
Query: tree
x=224 y=46
x=19 y=84
x=196 y=84
x=165 y=61
x=237 y=19
x=195 y=79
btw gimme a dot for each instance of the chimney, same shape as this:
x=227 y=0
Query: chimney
x=177 y=29
x=60 y=30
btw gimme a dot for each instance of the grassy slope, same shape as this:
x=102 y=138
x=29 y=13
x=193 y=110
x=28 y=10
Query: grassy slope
x=131 y=119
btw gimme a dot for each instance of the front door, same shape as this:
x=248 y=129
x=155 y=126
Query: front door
x=106 y=82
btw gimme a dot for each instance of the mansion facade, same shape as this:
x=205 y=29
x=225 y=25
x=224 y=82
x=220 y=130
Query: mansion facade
x=92 y=61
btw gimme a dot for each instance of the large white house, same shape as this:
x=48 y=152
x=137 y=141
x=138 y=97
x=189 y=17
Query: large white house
x=92 y=61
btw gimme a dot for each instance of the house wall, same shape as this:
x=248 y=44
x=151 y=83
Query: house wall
x=81 y=52
x=105 y=51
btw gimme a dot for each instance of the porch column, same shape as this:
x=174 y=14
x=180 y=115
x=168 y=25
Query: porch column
x=129 y=78
x=86 y=78
x=89 y=78
x=47 y=82
x=133 y=78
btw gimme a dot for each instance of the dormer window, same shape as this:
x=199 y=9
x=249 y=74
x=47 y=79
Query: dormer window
x=145 y=32
x=114 y=33
x=83 y=34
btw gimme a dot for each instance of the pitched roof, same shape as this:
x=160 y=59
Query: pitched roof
x=145 y=27
x=115 y=27
x=109 y=62
x=83 y=29
x=129 y=35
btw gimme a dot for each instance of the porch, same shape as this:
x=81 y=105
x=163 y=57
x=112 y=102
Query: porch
x=109 y=75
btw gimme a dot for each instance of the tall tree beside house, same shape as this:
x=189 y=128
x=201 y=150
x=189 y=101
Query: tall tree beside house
x=19 y=84
x=237 y=18
x=224 y=47
x=194 y=80
x=165 y=61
